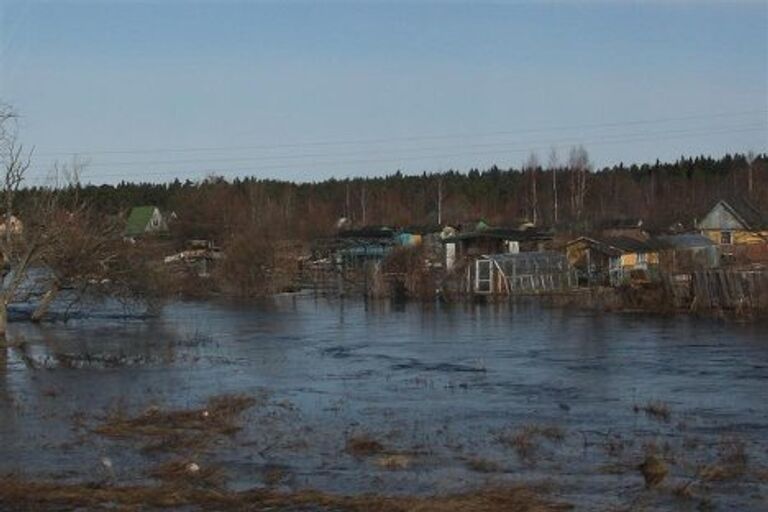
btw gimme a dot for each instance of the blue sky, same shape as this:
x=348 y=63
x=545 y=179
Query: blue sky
x=309 y=90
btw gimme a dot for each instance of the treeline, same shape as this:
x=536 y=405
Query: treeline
x=569 y=195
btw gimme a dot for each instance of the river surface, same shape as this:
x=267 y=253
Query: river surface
x=442 y=385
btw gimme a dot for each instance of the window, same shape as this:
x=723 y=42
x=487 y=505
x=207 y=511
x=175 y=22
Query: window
x=642 y=258
x=726 y=238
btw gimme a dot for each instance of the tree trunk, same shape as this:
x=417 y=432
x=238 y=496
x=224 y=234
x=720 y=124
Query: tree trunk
x=3 y=323
x=534 y=198
x=554 y=194
x=45 y=303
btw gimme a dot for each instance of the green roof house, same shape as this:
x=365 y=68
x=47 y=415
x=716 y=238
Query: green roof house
x=144 y=220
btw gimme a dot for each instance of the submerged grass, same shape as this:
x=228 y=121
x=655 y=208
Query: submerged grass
x=655 y=409
x=526 y=439
x=731 y=463
x=175 y=430
x=363 y=445
x=22 y=494
x=481 y=465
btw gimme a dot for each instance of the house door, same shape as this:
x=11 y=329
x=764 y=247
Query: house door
x=483 y=276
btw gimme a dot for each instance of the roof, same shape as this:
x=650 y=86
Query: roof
x=746 y=212
x=423 y=229
x=623 y=223
x=519 y=235
x=614 y=246
x=138 y=219
x=368 y=232
x=684 y=241
x=628 y=244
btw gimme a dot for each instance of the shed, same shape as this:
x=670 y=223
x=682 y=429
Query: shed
x=686 y=253
x=356 y=247
x=497 y=241
x=613 y=260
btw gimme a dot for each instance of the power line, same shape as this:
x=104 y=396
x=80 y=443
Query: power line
x=614 y=124
x=280 y=158
x=560 y=145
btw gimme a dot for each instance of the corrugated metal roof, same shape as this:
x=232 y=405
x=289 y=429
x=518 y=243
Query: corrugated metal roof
x=685 y=241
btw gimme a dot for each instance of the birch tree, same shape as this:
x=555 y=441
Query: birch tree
x=552 y=165
x=579 y=166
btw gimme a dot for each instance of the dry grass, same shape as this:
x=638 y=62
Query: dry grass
x=525 y=440
x=394 y=462
x=363 y=445
x=481 y=465
x=731 y=463
x=274 y=476
x=654 y=470
x=19 y=494
x=655 y=409
x=176 y=430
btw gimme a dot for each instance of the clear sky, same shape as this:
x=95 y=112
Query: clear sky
x=309 y=90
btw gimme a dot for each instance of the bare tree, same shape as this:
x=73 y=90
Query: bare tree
x=553 y=165
x=17 y=253
x=579 y=165
x=531 y=167
x=67 y=244
x=440 y=200
x=363 y=204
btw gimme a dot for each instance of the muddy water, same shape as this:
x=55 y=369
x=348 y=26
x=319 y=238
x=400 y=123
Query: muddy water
x=441 y=386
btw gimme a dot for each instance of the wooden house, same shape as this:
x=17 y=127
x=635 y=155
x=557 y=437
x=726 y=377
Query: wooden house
x=143 y=220
x=736 y=222
x=613 y=260
x=491 y=240
x=357 y=247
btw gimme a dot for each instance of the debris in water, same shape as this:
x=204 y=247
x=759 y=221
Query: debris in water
x=394 y=462
x=363 y=445
x=654 y=471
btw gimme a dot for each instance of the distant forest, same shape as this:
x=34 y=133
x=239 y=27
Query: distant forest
x=659 y=193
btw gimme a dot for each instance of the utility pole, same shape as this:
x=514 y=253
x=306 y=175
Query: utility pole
x=440 y=201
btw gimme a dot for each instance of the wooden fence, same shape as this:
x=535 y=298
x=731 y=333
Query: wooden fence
x=741 y=292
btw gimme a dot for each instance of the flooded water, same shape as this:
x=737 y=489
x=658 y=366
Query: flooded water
x=446 y=387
